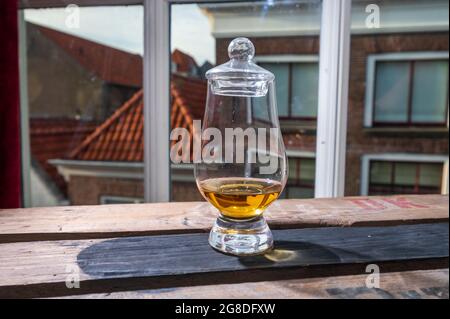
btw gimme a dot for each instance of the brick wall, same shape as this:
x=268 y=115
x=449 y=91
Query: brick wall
x=87 y=190
x=359 y=140
x=270 y=46
x=185 y=192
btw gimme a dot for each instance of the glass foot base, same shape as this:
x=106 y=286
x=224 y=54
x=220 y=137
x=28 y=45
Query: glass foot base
x=241 y=237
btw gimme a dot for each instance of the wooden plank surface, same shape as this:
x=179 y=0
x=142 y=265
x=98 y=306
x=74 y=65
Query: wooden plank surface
x=419 y=284
x=41 y=269
x=84 y=222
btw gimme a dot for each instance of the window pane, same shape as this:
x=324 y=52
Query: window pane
x=405 y=174
x=380 y=173
x=305 y=86
x=408 y=178
x=293 y=177
x=392 y=87
x=301 y=171
x=430 y=92
x=85 y=105
x=431 y=175
x=259 y=111
x=308 y=170
x=281 y=72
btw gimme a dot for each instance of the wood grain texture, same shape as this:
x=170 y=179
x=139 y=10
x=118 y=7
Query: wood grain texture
x=419 y=284
x=41 y=269
x=85 y=222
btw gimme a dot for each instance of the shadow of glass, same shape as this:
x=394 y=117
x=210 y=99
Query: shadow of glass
x=184 y=254
x=292 y=253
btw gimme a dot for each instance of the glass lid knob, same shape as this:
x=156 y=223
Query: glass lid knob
x=240 y=76
x=241 y=49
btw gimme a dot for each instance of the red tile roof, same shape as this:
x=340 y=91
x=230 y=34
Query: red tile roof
x=56 y=138
x=120 y=137
x=111 y=65
x=184 y=62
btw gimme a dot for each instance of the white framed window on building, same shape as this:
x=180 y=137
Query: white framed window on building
x=297 y=84
x=407 y=89
x=384 y=174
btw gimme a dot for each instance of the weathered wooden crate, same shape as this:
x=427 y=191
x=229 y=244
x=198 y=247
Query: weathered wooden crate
x=323 y=247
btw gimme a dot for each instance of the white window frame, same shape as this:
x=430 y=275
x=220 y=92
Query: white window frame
x=331 y=140
x=156 y=100
x=332 y=105
x=300 y=154
x=402 y=157
x=371 y=73
x=332 y=108
x=25 y=148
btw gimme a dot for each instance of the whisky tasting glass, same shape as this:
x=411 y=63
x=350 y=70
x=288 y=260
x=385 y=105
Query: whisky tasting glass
x=243 y=168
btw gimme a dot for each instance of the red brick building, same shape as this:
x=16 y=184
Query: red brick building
x=107 y=166
x=397 y=135
x=73 y=85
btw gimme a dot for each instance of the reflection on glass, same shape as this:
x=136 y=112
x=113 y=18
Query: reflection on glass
x=297 y=88
x=305 y=88
x=281 y=72
x=392 y=87
x=430 y=92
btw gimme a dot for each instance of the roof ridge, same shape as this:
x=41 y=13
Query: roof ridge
x=181 y=103
x=109 y=64
x=120 y=137
x=71 y=35
x=192 y=80
x=106 y=124
x=181 y=53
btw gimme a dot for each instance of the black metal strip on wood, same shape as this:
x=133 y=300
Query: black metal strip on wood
x=182 y=254
x=184 y=260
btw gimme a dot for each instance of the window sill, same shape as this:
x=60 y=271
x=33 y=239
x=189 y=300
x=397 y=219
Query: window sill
x=290 y=126
x=410 y=131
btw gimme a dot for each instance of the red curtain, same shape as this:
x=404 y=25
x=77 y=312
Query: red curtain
x=10 y=162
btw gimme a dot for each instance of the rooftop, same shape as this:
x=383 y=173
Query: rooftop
x=120 y=137
x=109 y=64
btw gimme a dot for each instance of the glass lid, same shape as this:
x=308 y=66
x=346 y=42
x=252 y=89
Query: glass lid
x=240 y=76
